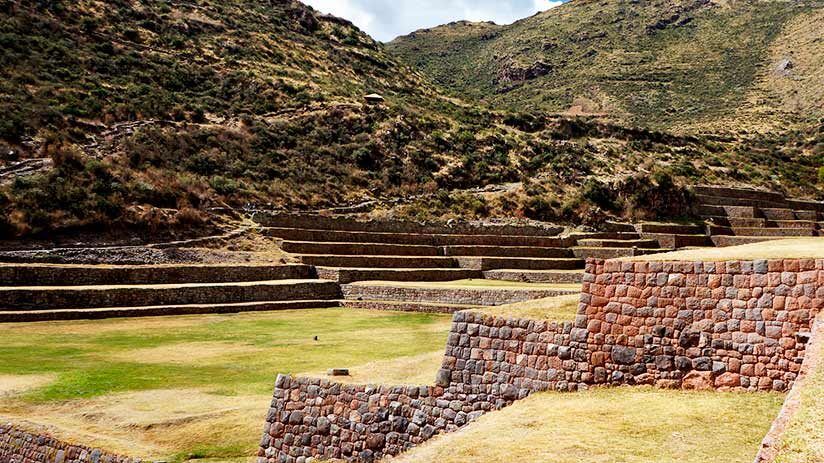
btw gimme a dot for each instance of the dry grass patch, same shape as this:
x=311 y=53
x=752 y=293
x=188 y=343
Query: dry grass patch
x=803 y=439
x=473 y=283
x=559 y=308
x=152 y=424
x=790 y=248
x=15 y=384
x=627 y=425
x=414 y=370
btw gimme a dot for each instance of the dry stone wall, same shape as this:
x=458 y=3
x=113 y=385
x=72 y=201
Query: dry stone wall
x=735 y=324
x=739 y=325
x=74 y=275
x=20 y=446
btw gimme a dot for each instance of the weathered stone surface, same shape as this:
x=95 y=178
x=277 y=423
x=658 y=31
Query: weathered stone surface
x=698 y=380
x=623 y=355
x=20 y=446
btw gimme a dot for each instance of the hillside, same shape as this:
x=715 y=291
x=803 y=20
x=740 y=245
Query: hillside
x=656 y=63
x=157 y=115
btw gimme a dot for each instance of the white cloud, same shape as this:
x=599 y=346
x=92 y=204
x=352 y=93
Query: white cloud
x=387 y=19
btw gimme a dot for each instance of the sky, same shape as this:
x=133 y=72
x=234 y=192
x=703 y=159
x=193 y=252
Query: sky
x=386 y=19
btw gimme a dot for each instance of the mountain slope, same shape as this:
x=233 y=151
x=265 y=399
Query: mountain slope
x=658 y=63
x=159 y=115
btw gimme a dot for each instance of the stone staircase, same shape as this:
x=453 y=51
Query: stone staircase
x=741 y=216
x=38 y=292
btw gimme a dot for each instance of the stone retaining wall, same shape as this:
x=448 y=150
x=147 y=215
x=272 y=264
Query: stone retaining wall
x=447 y=295
x=73 y=275
x=20 y=446
x=734 y=325
x=349 y=275
x=81 y=297
x=319 y=222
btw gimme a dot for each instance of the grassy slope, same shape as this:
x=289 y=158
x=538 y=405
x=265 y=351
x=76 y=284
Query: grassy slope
x=628 y=425
x=249 y=102
x=609 y=58
x=200 y=385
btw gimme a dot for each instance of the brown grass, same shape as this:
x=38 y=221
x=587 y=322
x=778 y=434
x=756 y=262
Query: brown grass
x=794 y=248
x=472 y=283
x=627 y=425
x=803 y=438
x=17 y=384
x=414 y=370
x=559 y=308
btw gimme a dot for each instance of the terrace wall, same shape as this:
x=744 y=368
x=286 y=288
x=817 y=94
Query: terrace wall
x=728 y=325
x=735 y=324
x=20 y=446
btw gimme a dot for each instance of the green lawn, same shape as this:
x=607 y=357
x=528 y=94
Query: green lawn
x=138 y=375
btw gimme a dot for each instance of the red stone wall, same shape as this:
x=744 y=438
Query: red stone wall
x=734 y=324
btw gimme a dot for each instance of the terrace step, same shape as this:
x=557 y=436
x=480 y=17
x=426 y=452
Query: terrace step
x=379 y=261
x=300 y=234
x=671 y=241
x=74 y=297
x=812 y=216
x=368 y=249
x=804 y=224
x=404 y=306
x=737 y=222
x=344 y=223
x=536 y=276
x=506 y=251
x=619 y=227
x=745 y=193
x=612 y=243
x=162 y=310
x=522 y=263
x=613 y=253
x=726 y=241
x=449 y=295
x=774 y=232
x=749 y=212
x=733 y=201
x=349 y=275
x=778 y=213
x=806 y=205
x=669 y=228
x=91 y=275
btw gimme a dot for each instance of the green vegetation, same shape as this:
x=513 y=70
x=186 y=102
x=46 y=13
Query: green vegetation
x=156 y=112
x=659 y=64
x=630 y=425
x=145 y=375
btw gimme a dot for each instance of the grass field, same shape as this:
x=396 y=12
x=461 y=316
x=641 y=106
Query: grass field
x=195 y=387
x=623 y=425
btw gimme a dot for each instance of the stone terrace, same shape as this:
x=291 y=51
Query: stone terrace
x=741 y=216
x=733 y=325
